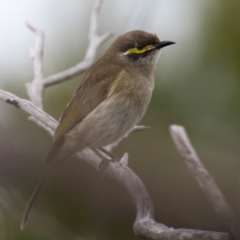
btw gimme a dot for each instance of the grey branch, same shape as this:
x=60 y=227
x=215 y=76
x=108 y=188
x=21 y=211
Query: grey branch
x=205 y=180
x=35 y=88
x=145 y=225
x=140 y=128
x=148 y=228
x=29 y=108
x=94 y=42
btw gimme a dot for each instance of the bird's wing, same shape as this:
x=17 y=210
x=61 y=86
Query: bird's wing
x=91 y=92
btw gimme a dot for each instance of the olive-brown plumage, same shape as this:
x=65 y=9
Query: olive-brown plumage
x=110 y=100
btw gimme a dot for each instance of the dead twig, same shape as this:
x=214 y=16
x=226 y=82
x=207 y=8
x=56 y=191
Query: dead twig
x=145 y=225
x=94 y=42
x=35 y=88
x=205 y=181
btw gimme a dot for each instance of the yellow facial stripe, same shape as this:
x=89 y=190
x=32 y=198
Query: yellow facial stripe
x=137 y=51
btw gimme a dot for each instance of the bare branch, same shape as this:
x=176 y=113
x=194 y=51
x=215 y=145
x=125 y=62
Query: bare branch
x=94 y=42
x=148 y=228
x=145 y=225
x=29 y=108
x=140 y=128
x=135 y=129
x=205 y=180
x=35 y=88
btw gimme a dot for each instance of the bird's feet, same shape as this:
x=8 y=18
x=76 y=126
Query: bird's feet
x=103 y=165
x=105 y=161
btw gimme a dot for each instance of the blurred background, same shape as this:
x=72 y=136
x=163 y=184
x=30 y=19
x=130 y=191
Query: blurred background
x=197 y=86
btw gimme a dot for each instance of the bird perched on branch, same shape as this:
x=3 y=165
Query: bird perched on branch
x=110 y=100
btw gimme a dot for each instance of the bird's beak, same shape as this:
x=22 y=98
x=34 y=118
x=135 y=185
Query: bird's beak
x=163 y=44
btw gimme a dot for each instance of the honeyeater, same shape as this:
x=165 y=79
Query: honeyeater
x=111 y=99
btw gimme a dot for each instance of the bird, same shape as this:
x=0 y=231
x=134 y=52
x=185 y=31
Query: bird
x=111 y=99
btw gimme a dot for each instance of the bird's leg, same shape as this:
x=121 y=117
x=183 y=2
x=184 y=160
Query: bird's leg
x=111 y=155
x=104 y=163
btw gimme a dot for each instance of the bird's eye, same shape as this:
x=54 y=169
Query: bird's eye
x=139 y=47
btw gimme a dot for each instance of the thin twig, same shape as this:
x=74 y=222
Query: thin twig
x=205 y=180
x=135 y=129
x=35 y=88
x=94 y=42
x=140 y=128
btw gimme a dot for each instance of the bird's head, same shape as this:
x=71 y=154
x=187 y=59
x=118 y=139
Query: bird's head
x=137 y=48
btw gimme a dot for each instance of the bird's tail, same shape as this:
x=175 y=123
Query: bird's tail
x=43 y=182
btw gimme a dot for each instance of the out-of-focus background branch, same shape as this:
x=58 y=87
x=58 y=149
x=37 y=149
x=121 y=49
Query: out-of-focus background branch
x=197 y=85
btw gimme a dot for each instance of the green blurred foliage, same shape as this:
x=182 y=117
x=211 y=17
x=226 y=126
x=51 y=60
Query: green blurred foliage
x=197 y=86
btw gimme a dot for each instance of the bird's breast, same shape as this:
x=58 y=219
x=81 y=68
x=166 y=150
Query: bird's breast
x=116 y=115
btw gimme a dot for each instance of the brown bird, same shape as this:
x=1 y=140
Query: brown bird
x=110 y=100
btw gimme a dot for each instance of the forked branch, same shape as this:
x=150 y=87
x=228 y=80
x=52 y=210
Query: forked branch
x=145 y=225
x=94 y=42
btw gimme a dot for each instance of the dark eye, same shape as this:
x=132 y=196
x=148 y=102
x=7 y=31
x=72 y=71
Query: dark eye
x=139 y=47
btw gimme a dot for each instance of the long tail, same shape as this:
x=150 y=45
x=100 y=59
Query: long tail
x=41 y=185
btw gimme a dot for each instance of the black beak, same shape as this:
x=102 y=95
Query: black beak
x=164 y=44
